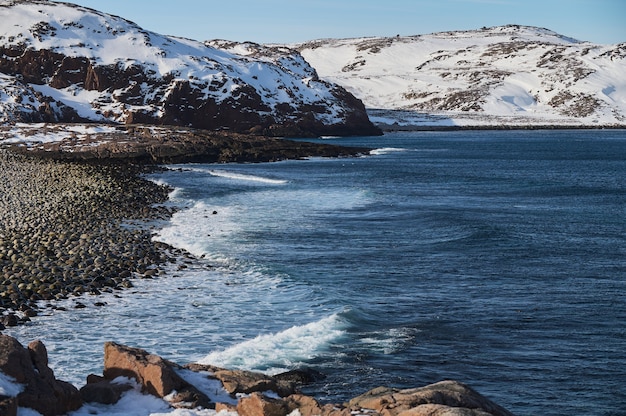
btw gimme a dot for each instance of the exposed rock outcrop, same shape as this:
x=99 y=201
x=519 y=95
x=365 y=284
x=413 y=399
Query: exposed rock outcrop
x=29 y=367
x=248 y=393
x=163 y=144
x=98 y=67
x=157 y=376
x=8 y=406
x=439 y=398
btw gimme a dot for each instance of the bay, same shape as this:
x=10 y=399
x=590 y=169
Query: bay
x=495 y=258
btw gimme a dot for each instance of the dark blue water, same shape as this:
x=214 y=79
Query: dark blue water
x=494 y=258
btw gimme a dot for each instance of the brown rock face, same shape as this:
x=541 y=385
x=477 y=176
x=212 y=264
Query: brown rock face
x=157 y=376
x=8 y=406
x=42 y=391
x=449 y=394
x=258 y=405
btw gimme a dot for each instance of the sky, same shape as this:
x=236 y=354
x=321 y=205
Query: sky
x=291 y=21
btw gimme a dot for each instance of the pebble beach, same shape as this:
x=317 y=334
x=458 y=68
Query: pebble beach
x=66 y=228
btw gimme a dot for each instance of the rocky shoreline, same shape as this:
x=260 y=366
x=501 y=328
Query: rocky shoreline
x=201 y=387
x=67 y=206
x=62 y=233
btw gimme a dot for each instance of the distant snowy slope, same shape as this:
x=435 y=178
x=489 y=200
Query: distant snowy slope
x=507 y=75
x=101 y=67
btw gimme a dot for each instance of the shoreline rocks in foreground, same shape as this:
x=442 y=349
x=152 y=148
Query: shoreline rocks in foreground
x=206 y=387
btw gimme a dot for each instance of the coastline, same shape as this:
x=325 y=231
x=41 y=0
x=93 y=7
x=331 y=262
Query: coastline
x=63 y=233
x=75 y=212
x=389 y=129
x=72 y=228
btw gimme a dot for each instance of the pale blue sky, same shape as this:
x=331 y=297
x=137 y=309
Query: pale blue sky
x=286 y=21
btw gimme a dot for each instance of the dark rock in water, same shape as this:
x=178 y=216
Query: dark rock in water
x=42 y=391
x=9 y=320
x=300 y=376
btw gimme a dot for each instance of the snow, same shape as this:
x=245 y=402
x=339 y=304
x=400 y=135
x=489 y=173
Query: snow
x=516 y=73
x=135 y=403
x=8 y=386
x=211 y=387
x=31 y=134
x=104 y=39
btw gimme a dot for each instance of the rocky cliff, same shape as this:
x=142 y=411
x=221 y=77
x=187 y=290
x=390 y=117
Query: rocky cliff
x=60 y=62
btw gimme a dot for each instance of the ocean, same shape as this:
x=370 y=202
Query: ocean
x=495 y=258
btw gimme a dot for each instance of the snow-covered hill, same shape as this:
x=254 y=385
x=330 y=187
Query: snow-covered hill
x=508 y=75
x=63 y=62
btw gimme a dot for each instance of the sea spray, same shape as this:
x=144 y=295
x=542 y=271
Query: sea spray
x=281 y=351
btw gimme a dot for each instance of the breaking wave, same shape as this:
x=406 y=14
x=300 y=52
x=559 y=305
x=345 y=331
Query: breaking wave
x=241 y=177
x=274 y=353
x=386 y=150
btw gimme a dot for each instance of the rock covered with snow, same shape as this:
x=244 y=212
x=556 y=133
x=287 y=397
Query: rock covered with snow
x=32 y=382
x=63 y=62
x=156 y=144
x=507 y=75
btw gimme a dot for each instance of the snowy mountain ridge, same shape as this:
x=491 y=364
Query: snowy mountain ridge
x=500 y=76
x=63 y=62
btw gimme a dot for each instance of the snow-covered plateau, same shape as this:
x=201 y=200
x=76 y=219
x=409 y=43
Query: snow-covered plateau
x=498 y=77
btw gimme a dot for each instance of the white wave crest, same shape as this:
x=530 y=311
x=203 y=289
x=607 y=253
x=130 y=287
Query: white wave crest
x=241 y=176
x=274 y=353
x=386 y=150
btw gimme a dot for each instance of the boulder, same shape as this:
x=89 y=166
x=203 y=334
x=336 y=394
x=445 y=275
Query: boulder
x=451 y=394
x=156 y=375
x=443 y=410
x=42 y=391
x=246 y=382
x=258 y=405
x=8 y=406
x=103 y=391
x=306 y=405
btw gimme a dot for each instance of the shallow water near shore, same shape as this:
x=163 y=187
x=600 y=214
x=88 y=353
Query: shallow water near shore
x=497 y=259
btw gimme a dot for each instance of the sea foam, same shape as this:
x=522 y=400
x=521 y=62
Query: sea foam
x=277 y=352
x=240 y=176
